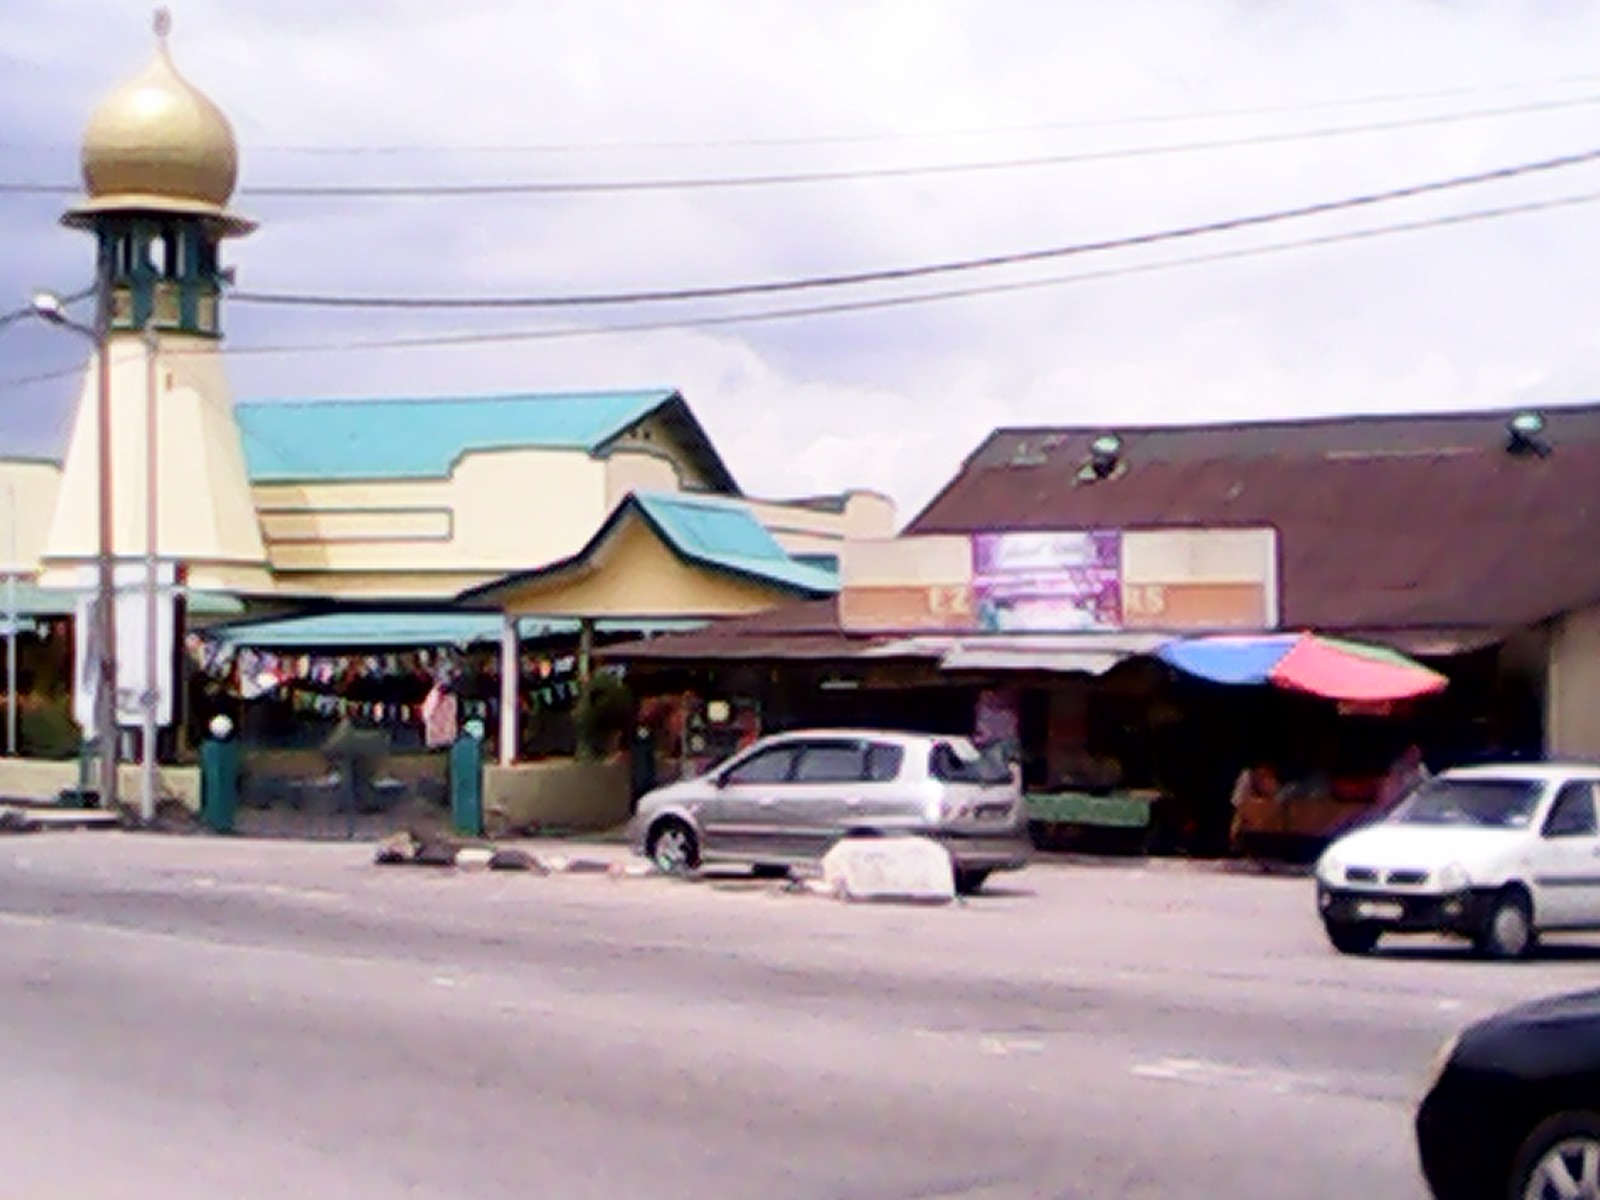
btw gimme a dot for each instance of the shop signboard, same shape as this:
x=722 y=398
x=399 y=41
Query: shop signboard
x=132 y=632
x=1047 y=582
x=1063 y=581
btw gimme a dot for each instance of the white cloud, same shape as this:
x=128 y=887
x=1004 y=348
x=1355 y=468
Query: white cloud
x=1494 y=313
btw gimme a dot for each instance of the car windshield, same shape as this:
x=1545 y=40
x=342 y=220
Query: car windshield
x=1485 y=803
x=961 y=762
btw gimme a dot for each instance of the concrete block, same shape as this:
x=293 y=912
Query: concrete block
x=893 y=868
x=474 y=858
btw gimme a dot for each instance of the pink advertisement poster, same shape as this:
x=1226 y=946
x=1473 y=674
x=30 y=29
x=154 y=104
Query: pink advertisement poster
x=1047 y=582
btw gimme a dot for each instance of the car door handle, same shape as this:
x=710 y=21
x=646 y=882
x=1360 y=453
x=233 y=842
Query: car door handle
x=766 y=802
x=853 y=802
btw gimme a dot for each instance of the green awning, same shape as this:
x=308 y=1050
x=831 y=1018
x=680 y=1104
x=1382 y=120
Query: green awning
x=402 y=630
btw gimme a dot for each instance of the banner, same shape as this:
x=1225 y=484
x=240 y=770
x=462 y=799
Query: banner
x=131 y=618
x=1047 y=582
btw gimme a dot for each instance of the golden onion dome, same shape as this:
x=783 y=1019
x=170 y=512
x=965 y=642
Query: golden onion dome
x=158 y=143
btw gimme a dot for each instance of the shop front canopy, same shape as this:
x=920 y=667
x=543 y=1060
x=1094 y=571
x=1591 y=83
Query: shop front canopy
x=1332 y=668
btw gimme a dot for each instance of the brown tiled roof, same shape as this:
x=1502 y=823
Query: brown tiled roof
x=800 y=631
x=1385 y=523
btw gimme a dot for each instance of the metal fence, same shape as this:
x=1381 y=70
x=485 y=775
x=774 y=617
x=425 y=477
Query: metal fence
x=332 y=794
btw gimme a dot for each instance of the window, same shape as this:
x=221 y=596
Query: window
x=883 y=763
x=958 y=762
x=766 y=766
x=831 y=762
x=1481 y=802
x=1572 y=815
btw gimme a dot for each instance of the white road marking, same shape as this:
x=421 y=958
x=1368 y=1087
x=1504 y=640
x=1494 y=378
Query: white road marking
x=1207 y=1073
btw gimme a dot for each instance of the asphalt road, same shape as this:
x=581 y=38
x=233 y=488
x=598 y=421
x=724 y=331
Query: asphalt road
x=242 y=1020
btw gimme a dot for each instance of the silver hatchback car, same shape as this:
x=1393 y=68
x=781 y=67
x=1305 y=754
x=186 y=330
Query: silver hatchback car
x=785 y=800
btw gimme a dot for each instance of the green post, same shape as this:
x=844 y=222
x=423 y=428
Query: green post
x=466 y=780
x=219 y=777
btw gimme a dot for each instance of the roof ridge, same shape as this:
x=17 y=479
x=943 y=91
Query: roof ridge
x=458 y=398
x=1498 y=412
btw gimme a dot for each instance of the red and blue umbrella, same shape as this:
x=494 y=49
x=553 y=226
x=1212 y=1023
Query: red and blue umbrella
x=1305 y=662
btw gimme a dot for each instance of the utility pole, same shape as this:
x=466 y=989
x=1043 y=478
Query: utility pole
x=51 y=308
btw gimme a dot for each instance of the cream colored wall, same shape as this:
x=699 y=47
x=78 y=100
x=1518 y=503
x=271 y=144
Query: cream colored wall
x=38 y=779
x=28 y=493
x=555 y=796
x=799 y=530
x=638 y=471
x=1572 y=702
x=634 y=575
x=654 y=436
x=206 y=511
x=498 y=512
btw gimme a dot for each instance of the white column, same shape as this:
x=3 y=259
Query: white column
x=510 y=678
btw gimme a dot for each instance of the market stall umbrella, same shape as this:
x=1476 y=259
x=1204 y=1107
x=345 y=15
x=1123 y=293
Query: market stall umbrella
x=1305 y=662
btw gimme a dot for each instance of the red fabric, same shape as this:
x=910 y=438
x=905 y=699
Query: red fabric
x=1323 y=670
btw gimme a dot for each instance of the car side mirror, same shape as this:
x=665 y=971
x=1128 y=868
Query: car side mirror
x=719 y=780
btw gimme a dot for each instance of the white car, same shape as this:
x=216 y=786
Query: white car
x=1497 y=854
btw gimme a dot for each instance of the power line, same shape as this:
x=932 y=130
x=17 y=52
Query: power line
x=1188 y=116
x=842 y=307
x=856 y=278
x=761 y=316
x=791 y=178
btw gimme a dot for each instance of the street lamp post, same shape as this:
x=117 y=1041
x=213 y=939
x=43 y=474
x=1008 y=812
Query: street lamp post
x=51 y=308
x=150 y=698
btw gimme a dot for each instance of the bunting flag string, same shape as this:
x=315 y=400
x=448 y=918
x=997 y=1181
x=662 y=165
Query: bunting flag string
x=262 y=673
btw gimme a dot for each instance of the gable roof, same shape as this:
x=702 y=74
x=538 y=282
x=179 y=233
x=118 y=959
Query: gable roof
x=1385 y=523
x=706 y=531
x=292 y=441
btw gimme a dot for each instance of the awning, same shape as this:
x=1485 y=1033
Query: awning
x=397 y=630
x=1332 y=668
x=1060 y=654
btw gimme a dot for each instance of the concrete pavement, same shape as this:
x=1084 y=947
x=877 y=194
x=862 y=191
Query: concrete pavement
x=266 y=1019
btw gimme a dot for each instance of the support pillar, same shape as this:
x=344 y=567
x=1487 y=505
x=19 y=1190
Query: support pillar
x=585 y=649
x=510 y=681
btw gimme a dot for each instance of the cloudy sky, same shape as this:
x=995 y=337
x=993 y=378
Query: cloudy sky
x=1482 y=313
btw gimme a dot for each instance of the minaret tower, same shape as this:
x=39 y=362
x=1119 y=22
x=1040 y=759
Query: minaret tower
x=159 y=167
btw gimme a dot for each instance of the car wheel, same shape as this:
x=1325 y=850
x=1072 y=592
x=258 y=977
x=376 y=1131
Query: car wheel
x=1508 y=929
x=673 y=848
x=970 y=880
x=1559 y=1160
x=1353 y=937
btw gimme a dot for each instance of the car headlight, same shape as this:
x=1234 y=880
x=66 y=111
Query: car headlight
x=1454 y=878
x=1441 y=1061
x=1330 y=869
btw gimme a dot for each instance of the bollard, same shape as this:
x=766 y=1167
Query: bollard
x=219 y=777
x=466 y=780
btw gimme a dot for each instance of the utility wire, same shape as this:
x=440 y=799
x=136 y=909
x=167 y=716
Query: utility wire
x=856 y=278
x=759 y=316
x=851 y=306
x=842 y=138
x=790 y=178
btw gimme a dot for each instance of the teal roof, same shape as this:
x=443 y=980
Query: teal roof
x=711 y=531
x=36 y=601
x=406 y=630
x=288 y=441
x=725 y=534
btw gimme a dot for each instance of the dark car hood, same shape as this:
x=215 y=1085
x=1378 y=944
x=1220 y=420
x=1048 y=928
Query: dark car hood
x=1574 y=1006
